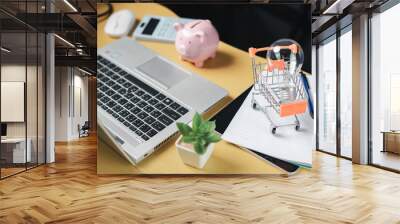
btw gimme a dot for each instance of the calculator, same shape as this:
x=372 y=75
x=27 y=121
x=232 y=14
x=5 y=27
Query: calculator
x=158 y=28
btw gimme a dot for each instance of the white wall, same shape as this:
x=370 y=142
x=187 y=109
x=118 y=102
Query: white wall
x=15 y=73
x=70 y=81
x=82 y=83
x=12 y=101
x=62 y=81
x=80 y=110
x=33 y=125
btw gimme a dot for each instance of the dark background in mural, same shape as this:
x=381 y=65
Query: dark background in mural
x=255 y=25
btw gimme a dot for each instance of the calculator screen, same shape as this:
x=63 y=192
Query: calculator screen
x=151 y=26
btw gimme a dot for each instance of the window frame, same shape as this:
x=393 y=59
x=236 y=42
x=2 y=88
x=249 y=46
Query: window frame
x=334 y=37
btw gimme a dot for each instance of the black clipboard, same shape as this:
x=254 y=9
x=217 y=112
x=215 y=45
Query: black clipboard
x=224 y=117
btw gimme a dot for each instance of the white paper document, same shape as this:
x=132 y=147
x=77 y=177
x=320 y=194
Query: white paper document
x=251 y=129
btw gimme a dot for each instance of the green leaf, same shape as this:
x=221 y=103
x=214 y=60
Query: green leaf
x=211 y=126
x=203 y=129
x=213 y=138
x=184 y=128
x=199 y=147
x=202 y=133
x=188 y=139
x=197 y=120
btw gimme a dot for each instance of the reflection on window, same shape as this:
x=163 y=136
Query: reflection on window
x=385 y=84
x=346 y=94
x=327 y=97
x=22 y=88
x=394 y=101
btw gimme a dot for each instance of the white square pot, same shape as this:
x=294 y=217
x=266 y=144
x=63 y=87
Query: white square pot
x=190 y=157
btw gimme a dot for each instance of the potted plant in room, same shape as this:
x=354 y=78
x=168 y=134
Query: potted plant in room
x=196 y=143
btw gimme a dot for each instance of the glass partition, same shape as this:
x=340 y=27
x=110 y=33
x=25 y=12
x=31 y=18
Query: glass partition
x=346 y=93
x=31 y=98
x=385 y=89
x=22 y=101
x=13 y=93
x=327 y=96
x=41 y=97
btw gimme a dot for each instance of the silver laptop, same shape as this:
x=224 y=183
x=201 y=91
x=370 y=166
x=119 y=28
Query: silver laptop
x=141 y=96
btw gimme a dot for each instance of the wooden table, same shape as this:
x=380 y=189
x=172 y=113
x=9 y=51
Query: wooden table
x=231 y=69
x=391 y=141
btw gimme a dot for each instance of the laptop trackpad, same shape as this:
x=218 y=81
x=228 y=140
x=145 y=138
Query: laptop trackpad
x=163 y=72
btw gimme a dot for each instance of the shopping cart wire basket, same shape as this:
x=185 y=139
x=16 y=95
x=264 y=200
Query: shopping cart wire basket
x=277 y=82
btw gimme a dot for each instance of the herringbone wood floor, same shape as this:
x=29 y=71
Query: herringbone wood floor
x=69 y=191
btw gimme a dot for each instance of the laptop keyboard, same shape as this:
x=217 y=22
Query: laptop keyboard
x=136 y=105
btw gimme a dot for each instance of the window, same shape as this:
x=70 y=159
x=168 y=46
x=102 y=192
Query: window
x=335 y=74
x=327 y=96
x=22 y=75
x=346 y=92
x=385 y=89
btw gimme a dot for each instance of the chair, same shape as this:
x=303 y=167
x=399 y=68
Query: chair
x=84 y=130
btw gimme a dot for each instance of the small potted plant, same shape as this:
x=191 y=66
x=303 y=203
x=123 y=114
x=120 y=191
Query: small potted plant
x=196 y=143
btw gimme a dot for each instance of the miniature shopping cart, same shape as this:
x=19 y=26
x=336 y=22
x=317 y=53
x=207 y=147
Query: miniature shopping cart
x=278 y=82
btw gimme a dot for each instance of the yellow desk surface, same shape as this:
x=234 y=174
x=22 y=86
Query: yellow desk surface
x=231 y=69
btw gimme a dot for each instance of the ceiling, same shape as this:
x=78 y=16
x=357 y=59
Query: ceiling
x=39 y=6
x=72 y=20
x=330 y=16
x=75 y=21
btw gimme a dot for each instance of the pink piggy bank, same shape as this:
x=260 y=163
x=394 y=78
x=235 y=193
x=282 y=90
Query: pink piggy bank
x=196 y=41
